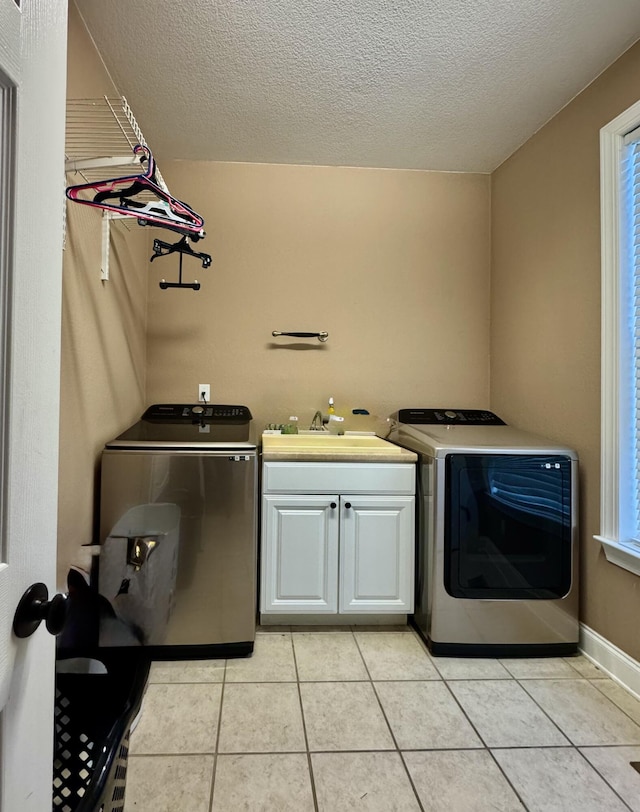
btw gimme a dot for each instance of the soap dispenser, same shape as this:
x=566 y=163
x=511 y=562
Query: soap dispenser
x=335 y=422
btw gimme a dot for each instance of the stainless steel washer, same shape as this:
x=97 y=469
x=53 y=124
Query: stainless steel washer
x=178 y=533
x=497 y=546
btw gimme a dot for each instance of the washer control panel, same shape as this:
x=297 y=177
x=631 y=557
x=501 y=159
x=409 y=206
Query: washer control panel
x=187 y=413
x=463 y=417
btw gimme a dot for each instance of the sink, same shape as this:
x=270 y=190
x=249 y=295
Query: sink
x=322 y=441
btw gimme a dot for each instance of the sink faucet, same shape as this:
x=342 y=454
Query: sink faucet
x=316 y=423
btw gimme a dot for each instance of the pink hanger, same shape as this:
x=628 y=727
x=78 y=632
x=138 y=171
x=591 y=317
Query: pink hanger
x=166 y=211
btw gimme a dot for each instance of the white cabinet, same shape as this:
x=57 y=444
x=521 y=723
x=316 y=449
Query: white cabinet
x=299 y=554
x=376 y=554
x=330 y=552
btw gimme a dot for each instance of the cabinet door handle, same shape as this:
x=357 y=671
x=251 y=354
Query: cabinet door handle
x=347 y=505
x=333 y=506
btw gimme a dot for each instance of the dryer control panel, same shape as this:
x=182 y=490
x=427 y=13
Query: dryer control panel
x=463 y=417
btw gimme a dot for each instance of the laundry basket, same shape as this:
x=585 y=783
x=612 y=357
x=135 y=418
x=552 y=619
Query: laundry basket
x=93 y=715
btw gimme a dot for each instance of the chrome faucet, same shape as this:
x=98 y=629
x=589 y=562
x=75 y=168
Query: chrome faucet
x=317 y=422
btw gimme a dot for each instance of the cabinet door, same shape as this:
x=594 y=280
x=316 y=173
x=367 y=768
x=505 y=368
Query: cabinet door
x=299 y=554
x=377 y=553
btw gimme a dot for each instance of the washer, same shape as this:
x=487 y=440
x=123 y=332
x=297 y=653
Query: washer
x=178 y=533
x=497 y=544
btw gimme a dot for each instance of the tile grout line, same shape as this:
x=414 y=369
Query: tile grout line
x=576 y=746
x=215 y=753
x=549 y=717
x=597 y=771
x=439 y=749
x=506 y=777
x=304 y=728
x=613 y=702
x=384 y=715
x=486 y=747
x=570 y=745
x=515 y=747
x=459 y=704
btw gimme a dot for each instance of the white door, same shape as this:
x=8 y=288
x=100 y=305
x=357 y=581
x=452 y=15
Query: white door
x=376 y=553
x=32 y=104
x=299 y=551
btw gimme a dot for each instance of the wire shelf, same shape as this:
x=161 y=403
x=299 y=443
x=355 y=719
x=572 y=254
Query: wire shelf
x=100 y=135
x=99 y=141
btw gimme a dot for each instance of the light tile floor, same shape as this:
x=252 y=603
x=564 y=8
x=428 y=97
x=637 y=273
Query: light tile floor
x=352 y=719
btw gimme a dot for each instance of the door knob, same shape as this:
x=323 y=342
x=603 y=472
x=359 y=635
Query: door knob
x=333 y=506
x=347 y=505
x=35 y=606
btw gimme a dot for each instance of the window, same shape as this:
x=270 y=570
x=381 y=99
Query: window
x=620 y=229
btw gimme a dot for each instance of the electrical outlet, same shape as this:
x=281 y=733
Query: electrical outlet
x=204 y=393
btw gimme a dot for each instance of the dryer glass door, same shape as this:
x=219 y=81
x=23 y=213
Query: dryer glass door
x=507 y=526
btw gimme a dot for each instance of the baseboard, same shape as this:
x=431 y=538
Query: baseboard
x=612 y=660
x=279 y=619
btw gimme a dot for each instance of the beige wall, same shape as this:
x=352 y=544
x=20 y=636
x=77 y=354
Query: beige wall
x=393 y=264
x=103 y=333
x=545 y=313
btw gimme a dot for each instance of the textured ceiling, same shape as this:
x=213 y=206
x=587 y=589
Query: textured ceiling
x=418 y=84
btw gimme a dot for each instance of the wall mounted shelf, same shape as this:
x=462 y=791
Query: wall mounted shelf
x=100 y=135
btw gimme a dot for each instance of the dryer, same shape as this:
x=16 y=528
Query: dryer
x=497 y=543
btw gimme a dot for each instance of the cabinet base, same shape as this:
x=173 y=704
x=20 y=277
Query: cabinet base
x=332 y=620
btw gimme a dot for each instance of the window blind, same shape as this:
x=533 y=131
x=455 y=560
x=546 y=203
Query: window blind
x=630 y=340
